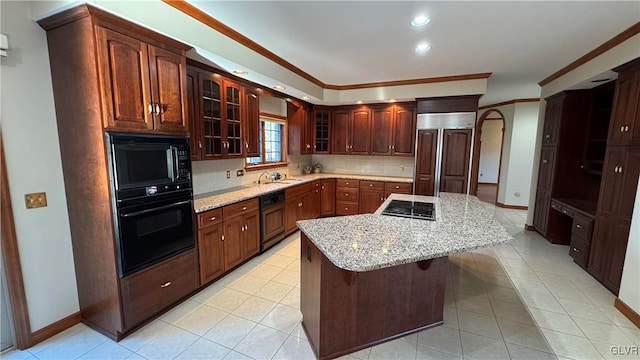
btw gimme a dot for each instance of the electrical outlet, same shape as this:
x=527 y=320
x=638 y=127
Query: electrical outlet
x=228 y=174
x=35 y=200
x=240 y=172
x=516 y=194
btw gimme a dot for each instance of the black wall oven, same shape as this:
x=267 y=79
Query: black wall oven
x=153 y=199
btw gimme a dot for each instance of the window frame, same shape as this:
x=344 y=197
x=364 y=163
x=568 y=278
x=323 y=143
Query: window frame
x=282 y=120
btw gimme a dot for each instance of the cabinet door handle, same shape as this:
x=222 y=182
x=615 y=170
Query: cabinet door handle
x=397 y=187
x=157 y=107
x=222 y=237
x=544 y=161
x=168 y=283
x=199 y=144
x=244 y=208
x=246 y=145
x=381 y=198
x=212 y=218
x=579 y=226
x=246 y=227
x=150 y=108
x=576 y=250
x=620 y=170
x=322 y=187
x=346 y=183
x=547 y=136
x=622 y=128
x=626 y=128
x=393 y=147
x=370 y=185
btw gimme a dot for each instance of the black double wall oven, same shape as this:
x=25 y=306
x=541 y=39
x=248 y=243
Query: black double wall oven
x=152 y=198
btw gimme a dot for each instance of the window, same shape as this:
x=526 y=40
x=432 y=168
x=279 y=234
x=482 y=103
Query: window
x=272 y=144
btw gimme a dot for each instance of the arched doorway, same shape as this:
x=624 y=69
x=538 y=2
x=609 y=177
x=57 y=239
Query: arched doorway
x=487 y=156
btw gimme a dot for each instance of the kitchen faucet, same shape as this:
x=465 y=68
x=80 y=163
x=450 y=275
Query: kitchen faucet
x=260 y=177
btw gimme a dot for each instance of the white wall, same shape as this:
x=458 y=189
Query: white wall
x=518 y=151
x=32 y=153
x=630 y=285
x=490 y=148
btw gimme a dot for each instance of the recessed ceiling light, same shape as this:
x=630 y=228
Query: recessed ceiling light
x=305 y=98
x=240 y=72
x=279 y=87
x=420 y=20
x=423 y=48
x=359 y=102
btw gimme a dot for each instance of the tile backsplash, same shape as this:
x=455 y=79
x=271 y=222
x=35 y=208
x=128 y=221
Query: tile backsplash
x=366 y=165
x=211 y=175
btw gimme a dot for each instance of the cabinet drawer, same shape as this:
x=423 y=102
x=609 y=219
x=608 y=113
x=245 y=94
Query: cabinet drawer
x=567 y=211
x=347 y=183
x=240 y=208
x=297 y=190
x=346 y=208
x=398 y=188
x=582 y=226
x=316 y=184
x=146 y=293
x=209 y=218
x=579 y=251
x=556 y=206
x=347 y=194
x=372 y=185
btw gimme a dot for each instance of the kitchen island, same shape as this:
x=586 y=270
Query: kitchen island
x=367 y=279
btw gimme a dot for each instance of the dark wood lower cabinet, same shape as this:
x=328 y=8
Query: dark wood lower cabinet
x=211 y=253
x=328 y=197
x=370 y=201
x=345 y=311
x=147 y=292
x=233 y=242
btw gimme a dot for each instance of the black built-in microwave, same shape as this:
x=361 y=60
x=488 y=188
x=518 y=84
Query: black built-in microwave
x=148 y=165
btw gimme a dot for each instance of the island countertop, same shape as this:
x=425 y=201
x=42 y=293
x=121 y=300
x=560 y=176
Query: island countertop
x=372 y=241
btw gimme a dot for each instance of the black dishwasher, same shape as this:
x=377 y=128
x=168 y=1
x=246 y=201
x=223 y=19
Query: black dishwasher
x=272 y=219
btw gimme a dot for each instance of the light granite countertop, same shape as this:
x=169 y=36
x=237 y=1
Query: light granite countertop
x=372 y=241
x=212 y=200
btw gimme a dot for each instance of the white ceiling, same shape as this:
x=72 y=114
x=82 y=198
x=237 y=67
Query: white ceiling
x=352 y=42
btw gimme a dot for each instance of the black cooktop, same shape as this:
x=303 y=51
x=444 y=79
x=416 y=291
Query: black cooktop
x=411 y=209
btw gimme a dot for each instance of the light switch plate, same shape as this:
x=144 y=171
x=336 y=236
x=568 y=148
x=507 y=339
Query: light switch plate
x=35 y=200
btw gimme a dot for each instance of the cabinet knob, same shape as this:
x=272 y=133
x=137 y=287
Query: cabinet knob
x=579 y=226
x=622 y=128
x=397 y=187
x=576 y=250
x=322 y=187
x=620 y=170
x=222 y=237
x=200 y=144
x=393 y=147
x=157 y=109
x=626 y=128
x=244 y=208
x=246 y=145
x=168 y=283
x=544 y=161
x=346 y=208
x=547 y=136
x=212 y=218
x=150 y=108
x=370 y=185
x=346 y=194
x=381 y=198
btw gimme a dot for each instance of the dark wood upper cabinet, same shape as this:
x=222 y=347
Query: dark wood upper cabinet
x=359 y=131
x=251 y=132
x=300 y=129
x=404 y=130
x=124 y=70
x=625 y=118
x=233 y=107
x=210 y=118
x=322 y=128
x=455 y=160
x=426 y=162
x=340 y=131
x=552 y=117
x=382 y=126
x=195 y=144
x=144 y=86
x=168 y=90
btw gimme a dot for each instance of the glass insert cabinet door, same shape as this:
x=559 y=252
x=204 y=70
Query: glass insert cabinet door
x=233 y=94
x=211 y=116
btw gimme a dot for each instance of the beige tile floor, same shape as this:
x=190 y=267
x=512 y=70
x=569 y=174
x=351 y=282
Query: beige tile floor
x=522 y=300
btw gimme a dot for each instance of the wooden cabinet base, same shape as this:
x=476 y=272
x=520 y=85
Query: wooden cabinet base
x=345 y=311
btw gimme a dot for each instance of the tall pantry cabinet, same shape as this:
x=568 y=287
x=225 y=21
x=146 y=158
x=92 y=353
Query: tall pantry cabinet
x=109 y=74
x=619 y=180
